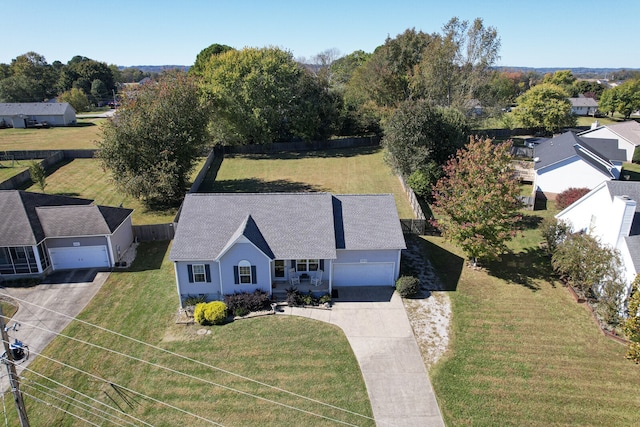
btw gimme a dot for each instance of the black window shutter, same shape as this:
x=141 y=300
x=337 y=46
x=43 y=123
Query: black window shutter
x=236 y=275
x=293 y=263
x=254 y=278
x=207 y=272
x=190 y=271
x=321 y=264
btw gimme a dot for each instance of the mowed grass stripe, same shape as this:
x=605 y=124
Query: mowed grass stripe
x=523 y=356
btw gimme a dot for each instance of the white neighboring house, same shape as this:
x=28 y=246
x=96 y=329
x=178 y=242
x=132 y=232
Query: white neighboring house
x=567 y=160
x=626 y=133
x=611 y=213
x=20 y=114
x=583 y=106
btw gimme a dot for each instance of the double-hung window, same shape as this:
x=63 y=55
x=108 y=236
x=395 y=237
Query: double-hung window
x=199 y=274
x=303 y=265
x=244 y=272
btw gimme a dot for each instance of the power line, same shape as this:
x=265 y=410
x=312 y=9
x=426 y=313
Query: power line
x=245 y=378
x=83 y=395
x=60 y=409
x=193 y=377
x=153 y=399
x=66 y=402
x=91 y=408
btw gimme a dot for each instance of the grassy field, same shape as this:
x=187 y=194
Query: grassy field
x=82 y=135
x=85 y=178
x=9 y=168
x=522 y=351
x=343 y=171
x=303 y=356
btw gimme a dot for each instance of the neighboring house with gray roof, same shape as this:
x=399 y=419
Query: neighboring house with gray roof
x=583 y=106
x=228 y=243
x=627 y=135
x=611 y=212
x=567 y=160
x=40 y=233
x=21 y=114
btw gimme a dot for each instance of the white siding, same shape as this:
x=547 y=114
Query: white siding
x=571 y=173
x=606 y=133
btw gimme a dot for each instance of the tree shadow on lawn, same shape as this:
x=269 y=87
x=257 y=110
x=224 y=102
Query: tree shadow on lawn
x=446 y=265
x=257 y=185
x=524 y=268
x=149 y=256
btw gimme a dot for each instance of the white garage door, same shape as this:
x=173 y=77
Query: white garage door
x=364 y=274
x=80 y=257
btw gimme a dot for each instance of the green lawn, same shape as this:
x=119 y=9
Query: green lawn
x=522 y=351
x=310 y=358
x=341 y=171
x=85 y=178
x=9 y=169
x=83 y=135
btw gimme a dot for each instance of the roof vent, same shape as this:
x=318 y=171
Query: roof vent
x=536 y=159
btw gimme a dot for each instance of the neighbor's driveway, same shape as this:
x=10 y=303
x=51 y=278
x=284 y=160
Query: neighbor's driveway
x=378 y=329
x=66 y=292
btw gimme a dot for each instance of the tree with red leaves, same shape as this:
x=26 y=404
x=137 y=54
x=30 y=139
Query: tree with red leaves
x=476 y=202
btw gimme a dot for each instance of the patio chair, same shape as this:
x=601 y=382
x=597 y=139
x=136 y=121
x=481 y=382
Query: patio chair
x=317 y=279
x=294 y=279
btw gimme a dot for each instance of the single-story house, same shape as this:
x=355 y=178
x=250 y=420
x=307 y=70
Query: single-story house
x=611 y=212
x=567 y=160
x=583 y=106
x=40 y=233
x=627 y=135
x=24 y=114
x=228 y=243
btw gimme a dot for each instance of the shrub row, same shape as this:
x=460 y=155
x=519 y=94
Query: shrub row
x=296 y=298
x=242 y=303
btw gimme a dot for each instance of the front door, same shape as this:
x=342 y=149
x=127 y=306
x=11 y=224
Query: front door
x=279 y=269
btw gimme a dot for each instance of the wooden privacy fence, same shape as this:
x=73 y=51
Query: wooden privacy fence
x=151 y=232
x=418 y=226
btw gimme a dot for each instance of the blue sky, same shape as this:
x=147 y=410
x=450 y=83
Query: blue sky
x=542 y=33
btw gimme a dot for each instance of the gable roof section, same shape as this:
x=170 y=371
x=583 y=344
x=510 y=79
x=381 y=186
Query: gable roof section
x=34 y=108
x=629 y=130
x=629 y=189
x=367 y=222
x=568 y=145
x=294 y=224
x=583 y=102
x=286 y=225
x=22 y=224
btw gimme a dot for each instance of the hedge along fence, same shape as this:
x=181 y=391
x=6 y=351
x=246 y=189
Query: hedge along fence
x=277 y=147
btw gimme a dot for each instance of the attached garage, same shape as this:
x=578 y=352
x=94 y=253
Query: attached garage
x=364 y=274
x=79 y=257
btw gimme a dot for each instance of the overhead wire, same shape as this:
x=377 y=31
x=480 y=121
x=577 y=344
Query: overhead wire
x=150 y=398
x=60 y=409
x=66 y=402
x=28 y=382
x=84 y=395
x=187 y=358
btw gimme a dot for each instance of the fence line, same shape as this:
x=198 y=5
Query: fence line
x=413 y=200
x=153 y=232
x=25 y=176
x=276 y=147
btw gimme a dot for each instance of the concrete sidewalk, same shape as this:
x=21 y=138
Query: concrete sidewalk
x=378 y=329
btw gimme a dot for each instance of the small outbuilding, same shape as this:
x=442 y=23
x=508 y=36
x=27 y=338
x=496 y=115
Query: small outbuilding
x=28 y=114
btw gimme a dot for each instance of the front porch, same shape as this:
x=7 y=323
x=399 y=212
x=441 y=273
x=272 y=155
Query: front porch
x=279 y=289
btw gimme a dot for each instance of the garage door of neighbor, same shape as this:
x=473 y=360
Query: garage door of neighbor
x=364 y=274
x=79 y=257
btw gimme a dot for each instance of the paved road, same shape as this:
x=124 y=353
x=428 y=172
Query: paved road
x=378 y=329
x=67 y=292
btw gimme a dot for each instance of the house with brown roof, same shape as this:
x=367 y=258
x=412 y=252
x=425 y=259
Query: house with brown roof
x=40 y=233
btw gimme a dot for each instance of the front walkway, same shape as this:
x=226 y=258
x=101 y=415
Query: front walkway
x=376 y=325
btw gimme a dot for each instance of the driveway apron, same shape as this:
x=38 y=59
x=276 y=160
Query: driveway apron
x=63 y=292
x=378 y=329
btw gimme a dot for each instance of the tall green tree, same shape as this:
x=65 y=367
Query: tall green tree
x=544 y=107
x=623 y=99
x=31 y=79
x=81 y=72
x=476 y=202
x=76 y=98
x=263 y=95
x=38 y=174
x=206 y=54
x=151 y=145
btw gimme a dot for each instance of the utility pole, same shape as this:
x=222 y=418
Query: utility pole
x=13 y=375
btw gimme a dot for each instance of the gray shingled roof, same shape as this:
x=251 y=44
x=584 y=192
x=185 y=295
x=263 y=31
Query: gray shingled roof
x=629 y=130
x=563 y=147
x=583 y=102
x=633 y=243
x=21 y=224
x=62 y=221
x=286 y=225
x=34 y=108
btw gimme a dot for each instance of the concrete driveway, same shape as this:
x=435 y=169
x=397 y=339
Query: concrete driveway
x=66 y=292
x=378 y=329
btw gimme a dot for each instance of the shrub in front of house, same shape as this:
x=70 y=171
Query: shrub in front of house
x=210 y=313
x=569 y=196
x=294 y=297
x=242 y=303
x=407 y=286
x=193 y=300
